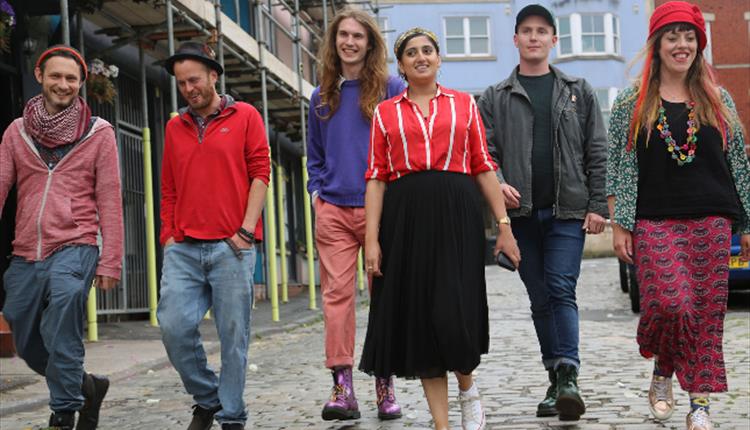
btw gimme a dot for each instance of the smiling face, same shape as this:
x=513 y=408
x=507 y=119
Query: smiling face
x=61 y=82
x=197 y=83
x=351 y=42
x=420 y=60
x=534 y=39
x=677 y=50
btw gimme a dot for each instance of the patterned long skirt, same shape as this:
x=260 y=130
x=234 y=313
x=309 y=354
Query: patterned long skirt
x=682 y=267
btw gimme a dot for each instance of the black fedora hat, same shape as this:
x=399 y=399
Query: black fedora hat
x=194 y=51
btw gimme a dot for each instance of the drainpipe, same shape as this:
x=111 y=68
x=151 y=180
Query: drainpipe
x=270 y=207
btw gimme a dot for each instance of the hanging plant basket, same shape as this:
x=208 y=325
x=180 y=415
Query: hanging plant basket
x=7 y=24
x=99 y=84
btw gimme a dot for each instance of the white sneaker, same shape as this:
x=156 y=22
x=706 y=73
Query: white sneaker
x=699 y=420
x=472 y=412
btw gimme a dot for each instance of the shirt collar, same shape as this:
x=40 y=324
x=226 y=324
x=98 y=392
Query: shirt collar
x=441 y=91
x=222 y=105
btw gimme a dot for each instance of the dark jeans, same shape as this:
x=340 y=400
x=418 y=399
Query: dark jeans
x=551 y=251
x=45 y=305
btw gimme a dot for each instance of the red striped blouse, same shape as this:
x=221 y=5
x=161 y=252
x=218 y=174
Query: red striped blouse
x=451 y=138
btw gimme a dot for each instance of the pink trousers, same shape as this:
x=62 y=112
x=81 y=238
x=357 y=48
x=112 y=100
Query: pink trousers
x=339 y=233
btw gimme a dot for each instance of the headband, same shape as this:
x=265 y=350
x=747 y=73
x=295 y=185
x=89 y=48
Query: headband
x=69 y=50
x=416 y=31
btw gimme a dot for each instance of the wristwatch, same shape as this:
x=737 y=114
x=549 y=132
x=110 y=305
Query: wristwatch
x=503 y=220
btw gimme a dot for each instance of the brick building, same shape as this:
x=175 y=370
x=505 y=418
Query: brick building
x=728 y=49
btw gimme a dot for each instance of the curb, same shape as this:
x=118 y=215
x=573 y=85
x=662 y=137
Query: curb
x=29 y=404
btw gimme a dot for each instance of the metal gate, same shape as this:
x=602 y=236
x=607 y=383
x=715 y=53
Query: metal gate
x=131 y=295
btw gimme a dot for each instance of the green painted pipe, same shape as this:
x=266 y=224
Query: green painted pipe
x=93 y=328
x=308 y=236
x=282 y=234
x=271 y=286
x=148 y=186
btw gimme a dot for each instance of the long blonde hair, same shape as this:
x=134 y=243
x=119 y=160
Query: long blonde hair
x=701 y=84
x=374 y=73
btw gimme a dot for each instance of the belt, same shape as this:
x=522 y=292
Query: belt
x=189 y=239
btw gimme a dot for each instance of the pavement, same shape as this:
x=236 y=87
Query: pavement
x=287 y=383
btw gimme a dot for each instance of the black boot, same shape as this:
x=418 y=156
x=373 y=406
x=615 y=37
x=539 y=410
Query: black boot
x=64 y=420
x=569 y=402
x=94 y=389
x=203 y=419
x=547 y=406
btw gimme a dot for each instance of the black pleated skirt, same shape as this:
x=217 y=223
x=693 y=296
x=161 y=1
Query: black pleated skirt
x=428 y=312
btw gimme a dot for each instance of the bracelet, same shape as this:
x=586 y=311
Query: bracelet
x=246 y=236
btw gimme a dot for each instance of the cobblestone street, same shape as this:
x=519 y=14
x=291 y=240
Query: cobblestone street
x=287 y=383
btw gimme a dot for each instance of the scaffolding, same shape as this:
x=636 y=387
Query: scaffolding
x=255 y=72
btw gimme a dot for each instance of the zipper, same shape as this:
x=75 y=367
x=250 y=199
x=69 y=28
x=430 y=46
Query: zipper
x=30 y=143
x=39 y=217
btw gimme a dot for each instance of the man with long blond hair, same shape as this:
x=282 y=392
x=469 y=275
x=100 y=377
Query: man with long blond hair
x=353 y=80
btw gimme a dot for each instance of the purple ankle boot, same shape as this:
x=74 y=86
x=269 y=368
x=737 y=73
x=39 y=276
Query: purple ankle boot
x=343 y=403
x=388 y=409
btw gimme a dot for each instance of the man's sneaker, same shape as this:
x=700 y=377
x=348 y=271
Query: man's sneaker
x=546 y=408
x=203 y=418
x=232 y=426
x=472 y=413
x=388 y=409
x=343 y=404
x=660 y=398
x=94 y=389
x=62 y=420
x=699 y=419
x=569 y=403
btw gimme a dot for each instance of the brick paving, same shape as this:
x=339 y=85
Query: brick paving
x=287 y=383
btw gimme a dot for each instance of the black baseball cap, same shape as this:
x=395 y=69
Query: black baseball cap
x=538 y=10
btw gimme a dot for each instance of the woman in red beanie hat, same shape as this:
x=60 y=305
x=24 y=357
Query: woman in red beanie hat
x=678 y=183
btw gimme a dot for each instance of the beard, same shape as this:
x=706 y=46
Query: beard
x=56 y=102
x=205 y=99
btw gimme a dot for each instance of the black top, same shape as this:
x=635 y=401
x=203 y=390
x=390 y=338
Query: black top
x=539 y=90
x=700 y=188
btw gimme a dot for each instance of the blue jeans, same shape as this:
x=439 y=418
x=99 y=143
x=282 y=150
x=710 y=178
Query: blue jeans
x=196 y=277
x=551 y=252
x=45 y=305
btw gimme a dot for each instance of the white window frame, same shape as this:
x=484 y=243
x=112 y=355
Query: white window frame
x=611 y=40
x=466 y=36
x=593 y=34
x=385 y=31
x=708 y=53
x=561 y=36
x=607 y=109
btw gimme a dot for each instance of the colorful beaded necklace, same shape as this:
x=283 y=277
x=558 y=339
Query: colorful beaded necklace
x=685 y=153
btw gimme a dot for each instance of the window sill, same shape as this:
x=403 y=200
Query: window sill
x=588 y=57
x=458 y=58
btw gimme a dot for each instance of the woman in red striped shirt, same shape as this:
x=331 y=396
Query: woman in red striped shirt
x=428 y=161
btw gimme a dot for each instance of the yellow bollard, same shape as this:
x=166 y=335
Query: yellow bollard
x=308 y=236
x=93 y=328
x=282 y=234
x=360 y=272
x=148 y=186
x=271 y=250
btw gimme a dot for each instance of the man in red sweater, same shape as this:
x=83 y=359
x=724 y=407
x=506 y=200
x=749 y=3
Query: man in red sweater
x=215 y=173
x=64 y=163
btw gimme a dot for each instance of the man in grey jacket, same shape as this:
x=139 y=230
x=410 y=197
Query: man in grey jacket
x=545 y=131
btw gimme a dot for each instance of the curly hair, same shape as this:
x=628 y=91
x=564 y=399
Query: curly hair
x=375 y=71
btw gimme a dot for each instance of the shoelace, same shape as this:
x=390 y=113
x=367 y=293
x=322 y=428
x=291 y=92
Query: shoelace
x=338 y=390
x=661 y=388
x=699 y=417
x=385 y=392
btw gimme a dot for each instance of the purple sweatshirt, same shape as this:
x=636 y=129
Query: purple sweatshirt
x=337 y=147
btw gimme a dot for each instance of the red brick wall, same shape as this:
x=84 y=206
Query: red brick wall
x=730 y=40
